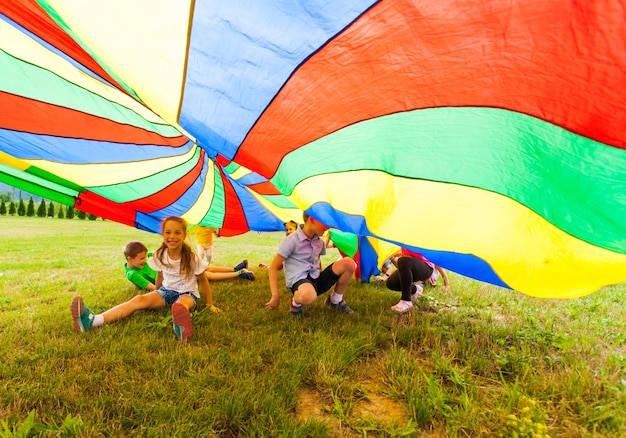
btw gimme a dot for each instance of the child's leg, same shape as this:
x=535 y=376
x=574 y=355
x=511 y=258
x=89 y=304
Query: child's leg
x=393 y=282
x=405 y=265
x=219 y=269
x=212 y=275
x=151 y=300
x=205 y=252
x=209 y=254
x=410 y=270
x=344 y=269
x=85 y=319
x=186 y=301
x=221 y=275
x=402 y=280
x=305 y=294
x=340 y=274
x=201 y=251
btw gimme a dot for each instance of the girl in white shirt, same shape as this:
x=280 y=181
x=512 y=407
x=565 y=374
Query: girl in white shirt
x=179 y=271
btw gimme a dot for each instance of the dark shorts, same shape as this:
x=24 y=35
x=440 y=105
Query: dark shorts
x=171 y=296
x=325 y=281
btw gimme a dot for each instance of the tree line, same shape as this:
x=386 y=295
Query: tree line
x=49 y=209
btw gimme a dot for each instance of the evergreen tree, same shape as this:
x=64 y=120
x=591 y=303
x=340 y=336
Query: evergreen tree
x=21 y=209
x=3 y=208
x=70 y=212
x=92 y=217
x=30 y=209
x=41 y=210
x=82 y=214
x=51 y=209
x=60 y=214
x=12 y=208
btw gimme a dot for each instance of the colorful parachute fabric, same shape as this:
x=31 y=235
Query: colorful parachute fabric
x=368 y=253
x=73 y=138
x=487 y=135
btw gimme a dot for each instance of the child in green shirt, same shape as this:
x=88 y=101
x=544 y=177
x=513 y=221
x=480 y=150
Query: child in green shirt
x=136 y=267
x=143 y=276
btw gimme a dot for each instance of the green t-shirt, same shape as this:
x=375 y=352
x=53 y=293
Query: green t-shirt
x=141 y=277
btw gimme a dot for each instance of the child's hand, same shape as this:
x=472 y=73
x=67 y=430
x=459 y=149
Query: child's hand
x=214 y=309
x=272 y=304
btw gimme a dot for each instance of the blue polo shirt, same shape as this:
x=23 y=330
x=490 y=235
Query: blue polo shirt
x=302 y=256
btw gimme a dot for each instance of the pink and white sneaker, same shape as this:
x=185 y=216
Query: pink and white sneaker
x=402 y=307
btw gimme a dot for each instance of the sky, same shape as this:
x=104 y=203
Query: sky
x=15 y=193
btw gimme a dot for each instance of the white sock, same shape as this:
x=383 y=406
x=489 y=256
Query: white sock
x=336 y=298
x=294 y=304
x=98 y=320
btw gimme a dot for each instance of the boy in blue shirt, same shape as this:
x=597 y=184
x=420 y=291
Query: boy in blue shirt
x=300 y=254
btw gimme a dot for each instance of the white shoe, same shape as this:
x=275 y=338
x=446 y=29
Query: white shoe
x=418 y=293
x=402 y=307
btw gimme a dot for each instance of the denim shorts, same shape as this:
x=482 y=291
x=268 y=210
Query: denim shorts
x=171 y=296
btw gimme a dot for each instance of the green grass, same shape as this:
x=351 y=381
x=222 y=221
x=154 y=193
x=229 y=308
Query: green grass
x=476 y=361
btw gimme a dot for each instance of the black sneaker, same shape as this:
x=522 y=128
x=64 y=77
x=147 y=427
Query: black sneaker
x=242 y=265
x=248 y=275
x=339 y=306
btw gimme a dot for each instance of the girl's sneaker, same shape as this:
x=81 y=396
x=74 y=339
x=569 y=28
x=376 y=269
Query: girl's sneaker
x=402 y=307
x=81 y=315
x=419 y=290
x=181 y=320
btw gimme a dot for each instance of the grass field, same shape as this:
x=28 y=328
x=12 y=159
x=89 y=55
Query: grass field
x=478 y=361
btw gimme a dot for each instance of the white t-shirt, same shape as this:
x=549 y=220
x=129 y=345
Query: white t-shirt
x=172 y=279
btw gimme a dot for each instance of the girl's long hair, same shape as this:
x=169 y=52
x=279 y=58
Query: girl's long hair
x=187 y=254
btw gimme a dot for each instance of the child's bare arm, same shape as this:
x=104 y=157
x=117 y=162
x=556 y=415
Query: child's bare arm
x=442 y=272
x=159 y=280
x=273 y=278
x=206 y=290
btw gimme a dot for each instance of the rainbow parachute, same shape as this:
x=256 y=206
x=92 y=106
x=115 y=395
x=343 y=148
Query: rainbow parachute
x=487 y=135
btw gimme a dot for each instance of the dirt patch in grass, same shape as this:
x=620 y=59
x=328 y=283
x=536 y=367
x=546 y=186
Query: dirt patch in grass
x=311 y=405
x=378 y=405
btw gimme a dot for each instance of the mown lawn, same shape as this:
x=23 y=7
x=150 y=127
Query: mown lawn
x=476 y=361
